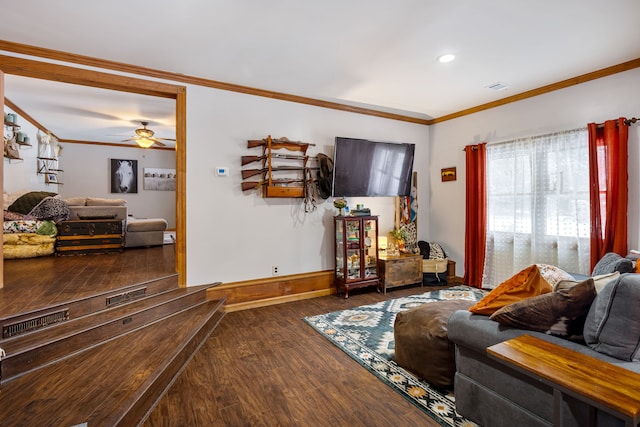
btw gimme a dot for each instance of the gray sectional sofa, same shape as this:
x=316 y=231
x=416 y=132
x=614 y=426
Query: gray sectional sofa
x=492 y=395
x=97 y=208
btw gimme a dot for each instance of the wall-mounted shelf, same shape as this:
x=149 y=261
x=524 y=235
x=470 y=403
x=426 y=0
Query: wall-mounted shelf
x=48 y=166
x=13 y=130
x=16 y=135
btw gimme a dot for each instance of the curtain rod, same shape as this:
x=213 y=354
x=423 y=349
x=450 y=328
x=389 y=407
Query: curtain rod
x=627 y=122
x=508 y=141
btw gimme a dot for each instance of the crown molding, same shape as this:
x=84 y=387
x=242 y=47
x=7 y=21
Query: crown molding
x=199 y=81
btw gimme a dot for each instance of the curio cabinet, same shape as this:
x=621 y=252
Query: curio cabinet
x=356 y=252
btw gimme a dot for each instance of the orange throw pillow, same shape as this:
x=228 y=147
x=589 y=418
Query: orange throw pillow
x=527 y=283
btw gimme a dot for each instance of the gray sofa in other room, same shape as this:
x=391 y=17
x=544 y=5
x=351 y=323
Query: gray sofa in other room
x=145 y=232
x=88 y=208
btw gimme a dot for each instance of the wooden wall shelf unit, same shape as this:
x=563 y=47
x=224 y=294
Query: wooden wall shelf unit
x=13 y=130
x=48 y=166
x=281 y=174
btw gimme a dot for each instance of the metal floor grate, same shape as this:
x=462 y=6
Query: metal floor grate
x=35 y=323
x=126 y=296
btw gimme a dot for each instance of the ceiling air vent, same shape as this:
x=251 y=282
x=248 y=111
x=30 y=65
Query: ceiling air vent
x=497 y=86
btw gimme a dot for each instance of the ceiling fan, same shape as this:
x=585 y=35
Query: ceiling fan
x=145 y=139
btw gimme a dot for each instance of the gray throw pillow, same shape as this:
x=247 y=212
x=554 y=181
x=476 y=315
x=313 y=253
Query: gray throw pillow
x=612 y=262
x=612 y=326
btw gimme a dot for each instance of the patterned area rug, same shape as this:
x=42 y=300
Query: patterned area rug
x=366 y=334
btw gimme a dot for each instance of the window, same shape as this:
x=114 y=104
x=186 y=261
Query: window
x=537 y=205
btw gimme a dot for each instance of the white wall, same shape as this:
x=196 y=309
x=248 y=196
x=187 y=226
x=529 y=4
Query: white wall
x=22 y=175
x=596 y=101
x=234 y=235
x=87 y=174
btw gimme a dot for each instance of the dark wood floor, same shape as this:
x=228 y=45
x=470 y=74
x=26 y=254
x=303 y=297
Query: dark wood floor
x=260 y=367
x=34 y=283
x=266 y=367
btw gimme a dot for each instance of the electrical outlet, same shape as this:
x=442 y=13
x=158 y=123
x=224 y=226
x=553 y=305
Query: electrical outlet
x=275 y=270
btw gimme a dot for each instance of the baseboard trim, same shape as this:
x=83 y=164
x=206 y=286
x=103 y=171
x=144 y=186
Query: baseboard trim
x=278 y=300
x=273 y=290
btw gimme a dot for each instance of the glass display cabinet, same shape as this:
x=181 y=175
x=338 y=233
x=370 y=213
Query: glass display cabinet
x=356 y=252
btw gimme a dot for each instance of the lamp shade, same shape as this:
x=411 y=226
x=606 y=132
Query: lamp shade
x=382 y=242
x=144 y=142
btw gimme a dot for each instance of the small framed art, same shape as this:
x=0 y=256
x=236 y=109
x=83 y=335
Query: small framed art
x=448 y=174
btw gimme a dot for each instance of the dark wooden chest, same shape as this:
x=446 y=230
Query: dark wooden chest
x=89 y=236
x=90 y=227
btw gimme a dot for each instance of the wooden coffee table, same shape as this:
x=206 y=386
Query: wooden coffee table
x=599 y=384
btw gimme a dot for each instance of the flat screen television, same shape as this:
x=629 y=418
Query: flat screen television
x=365 y=168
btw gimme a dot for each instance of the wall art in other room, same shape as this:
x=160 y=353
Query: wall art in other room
x=158 y=179
x=124 y=176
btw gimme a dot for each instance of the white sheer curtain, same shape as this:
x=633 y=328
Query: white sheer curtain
x=537 y=205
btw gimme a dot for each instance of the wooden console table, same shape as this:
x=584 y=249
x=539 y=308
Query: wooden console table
x=405 y=269
x=599 y=384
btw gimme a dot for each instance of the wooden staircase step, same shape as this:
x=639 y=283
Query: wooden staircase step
x=114 y=384
x=25 y=353
x=25 y=322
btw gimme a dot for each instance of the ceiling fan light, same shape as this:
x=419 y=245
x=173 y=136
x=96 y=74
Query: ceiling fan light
x=144 y=142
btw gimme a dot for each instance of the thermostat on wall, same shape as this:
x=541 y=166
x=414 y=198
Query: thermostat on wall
x=222 y=171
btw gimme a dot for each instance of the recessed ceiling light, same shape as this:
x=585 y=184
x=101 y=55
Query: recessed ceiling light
x=447 y=57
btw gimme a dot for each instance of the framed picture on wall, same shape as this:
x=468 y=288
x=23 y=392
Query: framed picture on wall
x=51 y=178
x=124 y=176
x=448 y=174
x=158 y=179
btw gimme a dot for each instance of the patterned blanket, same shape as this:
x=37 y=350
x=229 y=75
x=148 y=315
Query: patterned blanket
x=30 y=226
x=52 y=209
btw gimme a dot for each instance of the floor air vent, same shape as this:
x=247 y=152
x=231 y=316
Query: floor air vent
x=35 y=323
x=126 y=296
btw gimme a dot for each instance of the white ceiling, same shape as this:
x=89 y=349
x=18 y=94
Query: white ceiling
x=379 y=54
x=90 y=114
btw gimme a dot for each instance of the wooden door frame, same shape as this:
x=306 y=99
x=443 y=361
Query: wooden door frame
x=2 y=173
x=65 y=74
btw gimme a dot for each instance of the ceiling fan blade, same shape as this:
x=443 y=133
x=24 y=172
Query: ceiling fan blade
x=165 y=139
x=127 y=140
x=155 y=141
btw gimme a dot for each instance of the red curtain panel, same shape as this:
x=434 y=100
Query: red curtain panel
x=476 y=214
x=608 y=187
